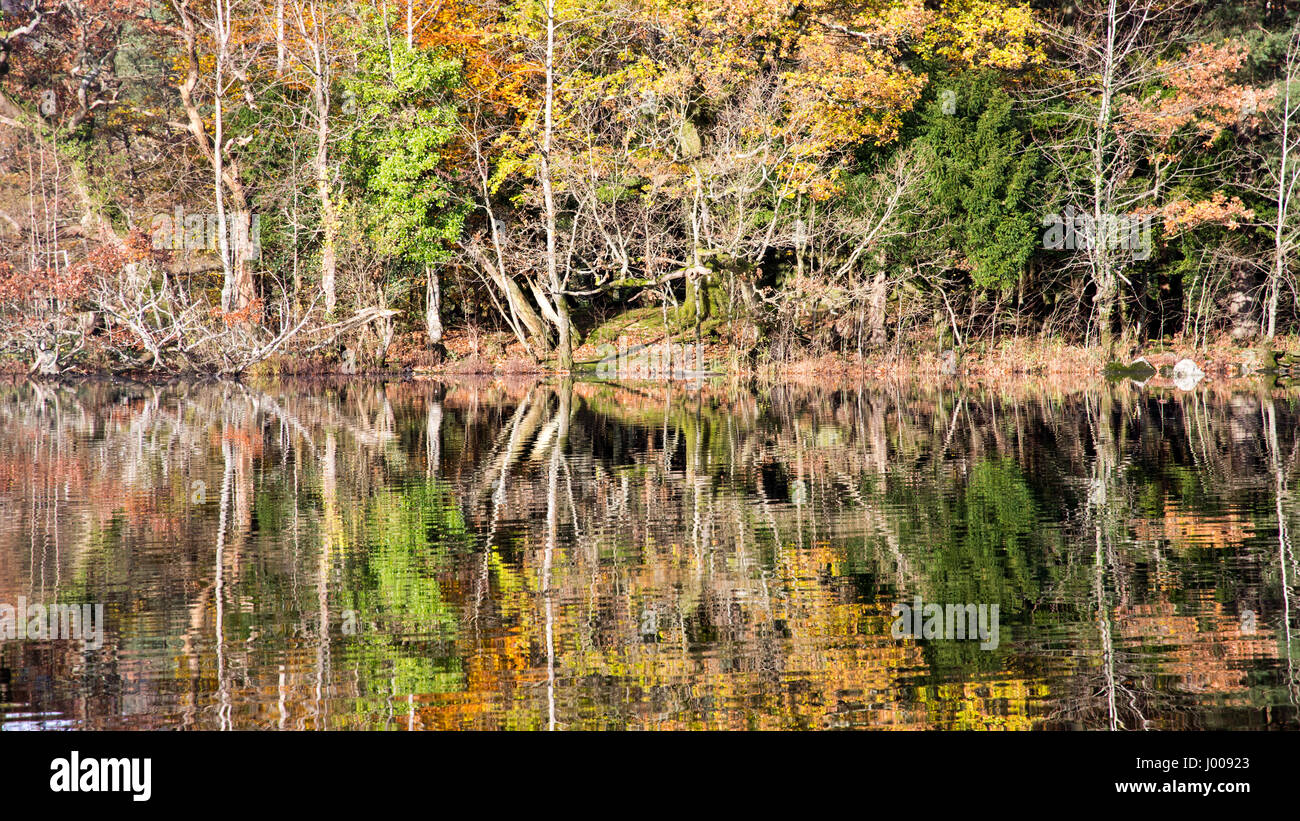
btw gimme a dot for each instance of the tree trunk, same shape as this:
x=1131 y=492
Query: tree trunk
x=1102 y=263
x=279 y=37
x=433 y=306
x=328 y=260
x=1241 y=306
x=1287 y=177
x=529 y=328
x=329 y=223
x=564 y=346
x=877 y=295
x=237 y=290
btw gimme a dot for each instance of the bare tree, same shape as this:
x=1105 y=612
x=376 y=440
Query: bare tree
x=558 y=312
x=1284 y=175
x=314 y=52
x=238 y=290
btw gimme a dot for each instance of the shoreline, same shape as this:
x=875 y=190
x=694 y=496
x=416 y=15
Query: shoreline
x=1011 y=358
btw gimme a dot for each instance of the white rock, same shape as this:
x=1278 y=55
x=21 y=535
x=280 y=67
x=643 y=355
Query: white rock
x=1186 y=374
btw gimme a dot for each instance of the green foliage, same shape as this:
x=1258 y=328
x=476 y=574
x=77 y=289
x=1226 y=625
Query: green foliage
x=403 y=121
x=980 y=177
x=394 y=588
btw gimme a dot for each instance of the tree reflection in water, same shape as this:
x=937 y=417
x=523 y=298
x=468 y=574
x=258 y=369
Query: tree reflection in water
x=559 y=555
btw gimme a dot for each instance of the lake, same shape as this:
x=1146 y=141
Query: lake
x=515 y=554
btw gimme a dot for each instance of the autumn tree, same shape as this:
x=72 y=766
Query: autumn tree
x=396 y=158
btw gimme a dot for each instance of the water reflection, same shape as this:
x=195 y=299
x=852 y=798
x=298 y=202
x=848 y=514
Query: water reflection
x=503 y=554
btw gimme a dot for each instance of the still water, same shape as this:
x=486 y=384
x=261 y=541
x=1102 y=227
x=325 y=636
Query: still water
x=544 y=555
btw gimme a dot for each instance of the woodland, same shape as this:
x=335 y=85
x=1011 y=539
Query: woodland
x=220 y=187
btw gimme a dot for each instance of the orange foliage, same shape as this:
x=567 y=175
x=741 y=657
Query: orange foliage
x=1183 y=214
x=1199 y=95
